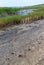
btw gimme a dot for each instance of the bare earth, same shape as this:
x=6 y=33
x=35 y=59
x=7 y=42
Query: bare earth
x=22 y=45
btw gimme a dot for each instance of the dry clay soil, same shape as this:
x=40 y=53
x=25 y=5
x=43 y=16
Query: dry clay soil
x=23 y=44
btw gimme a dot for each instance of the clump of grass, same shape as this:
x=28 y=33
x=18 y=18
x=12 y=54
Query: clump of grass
x=10 y=20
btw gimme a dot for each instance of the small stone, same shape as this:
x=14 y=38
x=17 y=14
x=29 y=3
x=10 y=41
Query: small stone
x=29 y=49
x=12 y=53
x=20 y=56
x=8 y=58
x=39 y=43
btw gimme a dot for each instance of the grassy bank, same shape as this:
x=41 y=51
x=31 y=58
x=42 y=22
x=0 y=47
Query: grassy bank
x=15 y=19
x=10 y=20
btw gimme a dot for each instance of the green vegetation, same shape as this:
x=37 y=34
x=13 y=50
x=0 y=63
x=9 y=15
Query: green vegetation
x=11 y=18
x=8 y=10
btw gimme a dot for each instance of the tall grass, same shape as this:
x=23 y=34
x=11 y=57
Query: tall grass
x=8 y=10
x=15 y=19
x=10 y=20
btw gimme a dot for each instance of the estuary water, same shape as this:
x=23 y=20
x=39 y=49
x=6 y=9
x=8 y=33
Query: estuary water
x=25 y=12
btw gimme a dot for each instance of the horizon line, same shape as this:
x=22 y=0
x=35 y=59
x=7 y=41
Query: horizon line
x=21 y=6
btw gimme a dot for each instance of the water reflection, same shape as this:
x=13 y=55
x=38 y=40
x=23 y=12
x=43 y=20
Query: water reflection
x=25 y=12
